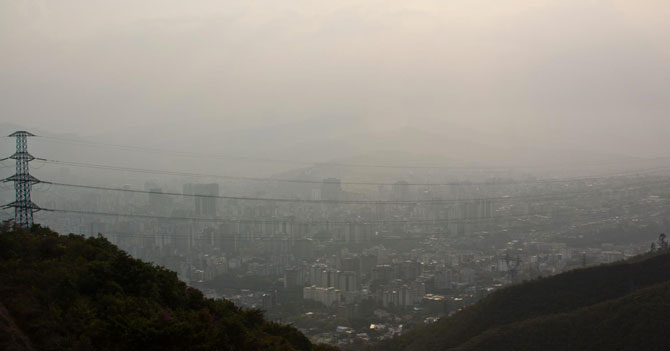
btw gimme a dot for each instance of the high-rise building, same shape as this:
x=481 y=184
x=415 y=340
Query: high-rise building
x=155 y=199
x=331 y=189
x=400 y=191
x=205 y=202
x=187 y=189
x=348 y=281
x=327 y=296
x=350 y=264
x=293 y=277
x=367 y=264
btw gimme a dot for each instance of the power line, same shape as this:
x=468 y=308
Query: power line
x=561 y=195
x=241 y=221
x=318 y=163
x=299 y=181
x=292 y=221
x=240 y=238
x=393 y=236
x=204 y=175
x=174 y=152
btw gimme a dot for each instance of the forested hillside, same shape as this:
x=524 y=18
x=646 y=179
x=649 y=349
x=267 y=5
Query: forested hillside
x=619 y=304
x=75 y=293
x=637 y=321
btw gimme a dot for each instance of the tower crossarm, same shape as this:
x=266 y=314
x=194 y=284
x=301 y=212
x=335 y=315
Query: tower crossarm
x=23 y=182
x=22 y=156
x=26 y=178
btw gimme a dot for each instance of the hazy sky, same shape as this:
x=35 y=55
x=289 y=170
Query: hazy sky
x=573 y=70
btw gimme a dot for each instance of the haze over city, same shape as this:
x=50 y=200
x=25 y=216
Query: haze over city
x=566 y=74
x=362 y=171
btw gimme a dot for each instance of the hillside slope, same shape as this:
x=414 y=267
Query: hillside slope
x=637 y=321
x=562 y=293
x=11 y=337
x=75 y=293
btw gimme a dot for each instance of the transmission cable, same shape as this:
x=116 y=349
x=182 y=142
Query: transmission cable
x=260 y=159
x=486 y=183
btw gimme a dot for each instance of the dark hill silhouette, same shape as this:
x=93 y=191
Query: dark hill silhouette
x=637 y=321
x=552 y=300
x=75 y=293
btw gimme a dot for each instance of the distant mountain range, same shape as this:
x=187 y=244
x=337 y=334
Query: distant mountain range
x=620 y=306
x=332 y=147
x=347 y=141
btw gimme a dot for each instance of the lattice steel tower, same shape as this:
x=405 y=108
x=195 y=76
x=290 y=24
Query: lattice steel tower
x=23 y=182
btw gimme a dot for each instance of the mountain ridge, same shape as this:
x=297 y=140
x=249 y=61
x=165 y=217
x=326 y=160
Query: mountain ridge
x=76 y=293
x=563 y=293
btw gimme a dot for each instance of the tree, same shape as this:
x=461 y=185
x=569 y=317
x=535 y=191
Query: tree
x=662 y=244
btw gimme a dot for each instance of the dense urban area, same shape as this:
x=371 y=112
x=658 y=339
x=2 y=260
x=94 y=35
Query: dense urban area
x=334 y=175
x=353 y=263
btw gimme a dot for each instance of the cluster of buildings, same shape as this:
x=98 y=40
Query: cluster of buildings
x=374 y=269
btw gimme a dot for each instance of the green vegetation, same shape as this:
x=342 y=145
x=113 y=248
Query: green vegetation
x=637 y=321
x=75 y=293
x=618 y=306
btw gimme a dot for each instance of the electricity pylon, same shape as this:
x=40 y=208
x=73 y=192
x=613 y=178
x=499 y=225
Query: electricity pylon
x=23 y=182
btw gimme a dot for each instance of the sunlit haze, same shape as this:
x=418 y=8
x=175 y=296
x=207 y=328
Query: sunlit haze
x=308 y=175
x=570 y=74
